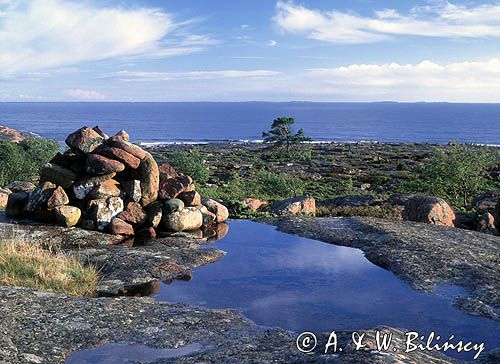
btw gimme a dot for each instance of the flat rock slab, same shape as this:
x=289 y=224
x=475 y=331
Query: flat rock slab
x=45 y=328
x=123 y=270
x=421 y=254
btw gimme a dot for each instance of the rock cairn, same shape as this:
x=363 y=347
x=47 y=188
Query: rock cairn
x=109 y=184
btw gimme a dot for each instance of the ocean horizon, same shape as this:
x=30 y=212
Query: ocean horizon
x=204 y=122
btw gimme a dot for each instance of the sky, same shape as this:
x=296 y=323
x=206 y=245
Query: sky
x=240 y=50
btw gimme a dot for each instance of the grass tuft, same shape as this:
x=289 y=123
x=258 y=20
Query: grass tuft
x=29 y=265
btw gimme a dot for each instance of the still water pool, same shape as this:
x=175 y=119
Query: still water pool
x=299 y=284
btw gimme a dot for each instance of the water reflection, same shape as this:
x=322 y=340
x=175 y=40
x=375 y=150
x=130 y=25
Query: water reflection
x=299 y=284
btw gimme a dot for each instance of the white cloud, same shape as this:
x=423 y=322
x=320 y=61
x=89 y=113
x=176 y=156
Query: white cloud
x=86 y=95
x=52 y=33
x=441 y=20
x=272 y=43
x=193 y=75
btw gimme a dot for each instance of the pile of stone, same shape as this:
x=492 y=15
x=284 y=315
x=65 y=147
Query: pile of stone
x=109 y=184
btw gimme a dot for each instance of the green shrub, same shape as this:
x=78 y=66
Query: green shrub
x=22 y=161
x=191 y=163
x=457 y=173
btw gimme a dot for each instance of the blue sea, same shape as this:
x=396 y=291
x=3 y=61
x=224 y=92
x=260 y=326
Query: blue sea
x=245 y=121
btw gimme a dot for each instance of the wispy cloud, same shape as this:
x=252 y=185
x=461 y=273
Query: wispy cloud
x=53 y=33
x=193 y=75
x=85 y=95
x=443 y=19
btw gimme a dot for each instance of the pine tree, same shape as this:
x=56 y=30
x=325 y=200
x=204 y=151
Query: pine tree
x=281 y=134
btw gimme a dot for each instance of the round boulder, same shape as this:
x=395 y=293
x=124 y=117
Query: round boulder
x=188 y=219
x=67 y=216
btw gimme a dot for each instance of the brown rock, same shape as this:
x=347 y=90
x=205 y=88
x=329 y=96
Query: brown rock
x=4 y=197
x=121 y=135
x=16 y=203
x=83 y=187
x=67 y=215
x=298 y=205
x=191 y=198
x=108 y=188
x=120 y=227
x=429 y=209
x=58 y=175
x=145 y=234
x=173 y=187
x=99 y=131
x=58 y=198
x=120 y=155
x=220 y=211
x=486 y=224
x=254 y=204
x=129 y=148
x=99 y=165
x=85 y=140
x=167 y=171
x=18 y=186
x=150 y=179
x=137 y=213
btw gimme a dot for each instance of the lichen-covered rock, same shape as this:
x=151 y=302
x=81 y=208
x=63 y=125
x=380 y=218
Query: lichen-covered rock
x=208 y=217
x=102 y=211
x=173 y=205
x=191 y=198
x=83 y=187
x=220 y=211
x=58 y=175
x=189 y=218
x=121 y=135
x=302 y=205
x=167 y=171
x=429 y=209
x=173 y=187
x=108 y=188
x=4 y=197
x=120 y=155
x=58 y=198
x=137 y=214
x=39 y=197
x=67 y=216
x=98 y=165
x=18 y=186
x=150 y=179
x=120 y=227
x=155 y=213
x=85 y=140
x=133 y=189
x=16 y=203
x=99 y=131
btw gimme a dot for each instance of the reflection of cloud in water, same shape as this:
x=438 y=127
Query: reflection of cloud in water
x=327 y=258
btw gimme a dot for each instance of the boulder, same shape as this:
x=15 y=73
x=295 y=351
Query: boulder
x=208 y=217
x=102 y=211
x=129 y=148
x=428 y=209
x=486 y=224
x=173 y=205
x=108 y=188
x=191 y=198
x=99 y=131
x=220 y=211
x=58 y=198
x=16 y=203
x=120 y=227
x=98 y=165
x=39 y=197
x=83 y=187
x=137 y=214
x=167 y=171
x=74 y=160
x=120 y=155
x=150 y=179
x=487 y=201
x=145 y=234
x=188 y=219
x=67 y=216
x=58 y=175
x=4 y=197
x=173 y=187
x=121 y=135
x=294 y=206
x=155 y=213
x=254 y=204
x=18 y=186
x=133 y=189
x=85 y=140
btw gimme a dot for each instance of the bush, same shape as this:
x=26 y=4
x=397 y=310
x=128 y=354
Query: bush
x=457 y=174
x=22 y=161
x=190 y=163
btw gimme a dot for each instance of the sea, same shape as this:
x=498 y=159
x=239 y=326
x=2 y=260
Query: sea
x=203 y=122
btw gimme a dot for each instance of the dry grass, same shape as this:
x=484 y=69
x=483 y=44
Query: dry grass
x=29 y=265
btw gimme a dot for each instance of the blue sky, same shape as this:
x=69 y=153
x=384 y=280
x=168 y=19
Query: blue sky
x=190 y=50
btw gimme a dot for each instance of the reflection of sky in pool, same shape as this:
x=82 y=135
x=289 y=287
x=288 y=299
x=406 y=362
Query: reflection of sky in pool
x=299 y=284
